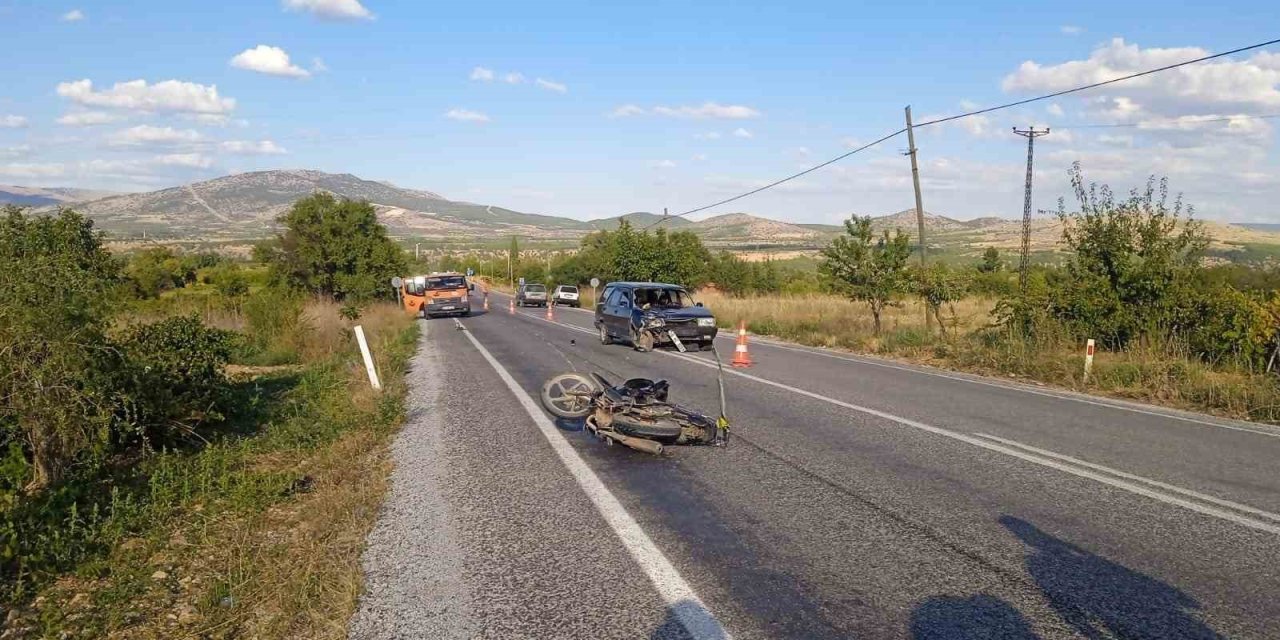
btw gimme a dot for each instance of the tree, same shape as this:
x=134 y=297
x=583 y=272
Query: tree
x=58 y=290
x=1133 y=261
x=335 y=248
x=872 y=271
x=156 y=270
x=937 y=285
x=991 y=262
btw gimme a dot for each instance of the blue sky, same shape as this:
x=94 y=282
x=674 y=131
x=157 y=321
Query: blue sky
x=593 y=109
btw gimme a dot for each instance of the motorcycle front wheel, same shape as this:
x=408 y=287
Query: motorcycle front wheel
x=568 y=395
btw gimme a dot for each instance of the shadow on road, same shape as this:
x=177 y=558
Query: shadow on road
x=973 y=618
x=693 y=614
x=1102 y=599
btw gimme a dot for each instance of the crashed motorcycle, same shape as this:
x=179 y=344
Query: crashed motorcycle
x=635 y=413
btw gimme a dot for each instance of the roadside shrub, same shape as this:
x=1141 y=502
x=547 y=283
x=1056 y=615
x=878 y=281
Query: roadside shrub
x=58 y=291
x=172 y=380
x=276 y=328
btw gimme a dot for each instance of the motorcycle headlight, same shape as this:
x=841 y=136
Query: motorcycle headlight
x=706 y=322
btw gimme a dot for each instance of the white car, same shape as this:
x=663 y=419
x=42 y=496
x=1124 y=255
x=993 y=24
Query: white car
x=567 y=295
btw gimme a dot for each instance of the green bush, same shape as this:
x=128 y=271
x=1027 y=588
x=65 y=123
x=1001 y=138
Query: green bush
x=171 y=380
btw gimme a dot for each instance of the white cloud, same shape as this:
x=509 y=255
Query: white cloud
x=252 y=148
x=801 y=152
x=169 y=95
x=515 y=77
x=552 y=86
x=709 y=135
x=149 y=136
x=318 y=65
x=708 y=110
x=1054 y=109
x=664 y=164
x=699 y=157
x=331 y=9
x=466 y=115
x=12 y=122
x=626 y=110
x=1233 y=85
x=87 y=118
x=742 y=133
x=74 y=15
x=18 y=151
x=189 y=160
x=482 y=74
x=1071 y=30
x=270 y=60
x=29 y=170
x=145 y=135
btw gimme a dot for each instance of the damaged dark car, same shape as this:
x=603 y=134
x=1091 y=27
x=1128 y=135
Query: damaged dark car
x=650 y=314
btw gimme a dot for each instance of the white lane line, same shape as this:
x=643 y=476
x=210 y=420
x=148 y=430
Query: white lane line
x=1116 y=472
x=819 y=351
x=681 y=600
x=1042 y=460
x=1036 y=459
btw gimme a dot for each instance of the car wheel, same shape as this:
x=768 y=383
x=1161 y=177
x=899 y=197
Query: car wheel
x=605 y=338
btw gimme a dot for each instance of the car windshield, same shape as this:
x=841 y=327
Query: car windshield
x=446 y=282
x=534 y=288
x=663 y=298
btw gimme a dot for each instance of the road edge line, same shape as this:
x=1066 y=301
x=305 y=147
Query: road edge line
x=681 y=600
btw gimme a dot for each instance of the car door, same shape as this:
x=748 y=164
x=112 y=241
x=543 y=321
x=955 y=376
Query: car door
x=622 y=313
x=602 y=305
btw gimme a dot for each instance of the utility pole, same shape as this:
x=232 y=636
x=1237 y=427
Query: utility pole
x=915 y=181
x=1030 y=134
x=415 y=250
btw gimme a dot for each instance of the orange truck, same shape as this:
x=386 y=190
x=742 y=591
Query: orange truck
x=437 y=294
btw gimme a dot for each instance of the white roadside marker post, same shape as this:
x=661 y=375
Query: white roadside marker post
x=1088 y=359
x=368 y=358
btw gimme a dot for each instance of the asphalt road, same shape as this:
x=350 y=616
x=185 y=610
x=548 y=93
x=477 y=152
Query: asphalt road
x=857 y=498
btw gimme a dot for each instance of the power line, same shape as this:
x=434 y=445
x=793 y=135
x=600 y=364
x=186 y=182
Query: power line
x=778 y=182
x=1099 y=84
x=974 y=113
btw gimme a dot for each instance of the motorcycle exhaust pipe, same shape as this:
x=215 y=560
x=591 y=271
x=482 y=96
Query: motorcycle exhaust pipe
x=639 y=444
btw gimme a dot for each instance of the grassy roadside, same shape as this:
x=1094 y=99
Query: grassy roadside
x=1151 y=373
x=256 y=534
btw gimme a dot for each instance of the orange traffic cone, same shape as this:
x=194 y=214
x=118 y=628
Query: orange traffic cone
x=551 y=314
x=511 y=306
x=741 y=358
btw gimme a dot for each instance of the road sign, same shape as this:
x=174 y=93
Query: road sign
x=396 y=282
x=595 y=282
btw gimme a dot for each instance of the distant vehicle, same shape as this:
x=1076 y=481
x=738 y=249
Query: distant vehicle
x=567 y=295
x=437 y=294
x=646 y=313
x=531 y=295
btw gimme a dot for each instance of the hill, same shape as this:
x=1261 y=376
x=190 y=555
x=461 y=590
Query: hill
x=639 y=220
x=48 y=196
x=246 y=205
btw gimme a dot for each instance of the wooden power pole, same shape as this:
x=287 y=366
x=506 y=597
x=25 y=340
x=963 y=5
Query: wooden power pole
x=915 y=181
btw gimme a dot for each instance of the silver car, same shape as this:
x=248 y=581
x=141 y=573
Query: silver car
x=531 y=295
